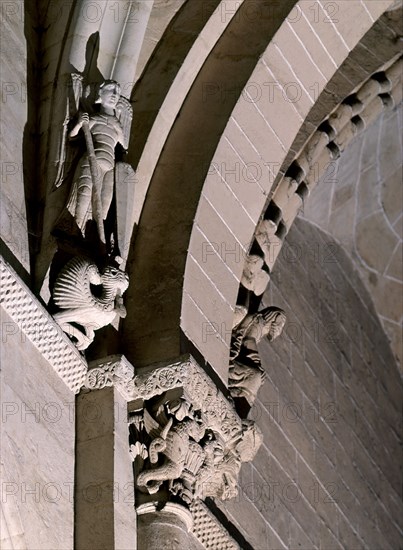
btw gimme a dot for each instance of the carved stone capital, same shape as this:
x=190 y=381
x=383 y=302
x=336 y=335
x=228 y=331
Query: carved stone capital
x=187 y=441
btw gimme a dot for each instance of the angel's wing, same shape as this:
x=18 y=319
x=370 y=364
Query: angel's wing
x=66 y=155
x=124 y=114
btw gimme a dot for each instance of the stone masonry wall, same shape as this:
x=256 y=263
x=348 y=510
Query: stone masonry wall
x=359 y=201
x=328 y=473
x=37 y=443
x=14 y=115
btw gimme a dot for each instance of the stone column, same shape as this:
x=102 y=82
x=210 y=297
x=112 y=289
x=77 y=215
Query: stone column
x=168 y=528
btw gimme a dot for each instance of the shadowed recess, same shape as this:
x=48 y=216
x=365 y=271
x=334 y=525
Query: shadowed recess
x=152 y=87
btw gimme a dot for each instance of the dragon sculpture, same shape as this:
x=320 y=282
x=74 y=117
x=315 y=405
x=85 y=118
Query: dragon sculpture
x=79 y=305
x=174 y=443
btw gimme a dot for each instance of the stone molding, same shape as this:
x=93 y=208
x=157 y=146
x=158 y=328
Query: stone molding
x=379 y=92
x=36 y=324
x=170 y=507
x=114 y=370
x=199 y=521
x=209 y=531
x=185 y=373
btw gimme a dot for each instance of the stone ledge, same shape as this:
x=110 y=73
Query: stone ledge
x=38 y=326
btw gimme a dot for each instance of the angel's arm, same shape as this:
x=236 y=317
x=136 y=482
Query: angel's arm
x=83 y=117
x=121 y=137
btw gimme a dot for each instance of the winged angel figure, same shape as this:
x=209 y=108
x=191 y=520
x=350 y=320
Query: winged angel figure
x=97 y=173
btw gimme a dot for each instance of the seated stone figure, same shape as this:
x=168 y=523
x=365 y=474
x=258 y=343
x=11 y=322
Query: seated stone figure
x=246 y=374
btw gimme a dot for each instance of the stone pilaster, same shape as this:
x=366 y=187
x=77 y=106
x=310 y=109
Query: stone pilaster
x=104 y=488
x=187 y=443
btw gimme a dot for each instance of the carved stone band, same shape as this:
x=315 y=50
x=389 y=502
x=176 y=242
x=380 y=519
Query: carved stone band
x=198 y=388
x=34 y=323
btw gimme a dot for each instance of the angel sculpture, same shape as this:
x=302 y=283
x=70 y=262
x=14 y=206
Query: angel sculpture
x=246 y=374
x=97 y=171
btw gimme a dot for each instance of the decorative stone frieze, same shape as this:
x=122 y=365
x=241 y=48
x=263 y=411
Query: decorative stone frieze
x=186 y=437
x=114 y=371
x=34 y=322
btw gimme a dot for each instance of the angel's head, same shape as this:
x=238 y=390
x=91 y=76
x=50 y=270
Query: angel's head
x=109 y=94
x=274 y=320
x=268 y=322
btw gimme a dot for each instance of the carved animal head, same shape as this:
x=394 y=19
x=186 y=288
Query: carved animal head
x=114 y=278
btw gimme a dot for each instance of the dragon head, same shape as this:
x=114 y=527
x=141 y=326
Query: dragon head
x=115 y=278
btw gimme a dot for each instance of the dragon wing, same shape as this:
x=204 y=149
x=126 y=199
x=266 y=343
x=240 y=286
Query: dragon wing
x=72 y=287
x=154 y=428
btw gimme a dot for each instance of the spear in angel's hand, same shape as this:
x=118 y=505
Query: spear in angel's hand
x=96 y=181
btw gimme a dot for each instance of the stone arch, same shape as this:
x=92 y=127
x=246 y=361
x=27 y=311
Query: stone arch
x=229 y=210
x=151 y=331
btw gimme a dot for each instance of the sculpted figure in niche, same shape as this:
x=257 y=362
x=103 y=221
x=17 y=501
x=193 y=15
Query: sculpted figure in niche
x=246 y=374
x=97 y=171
